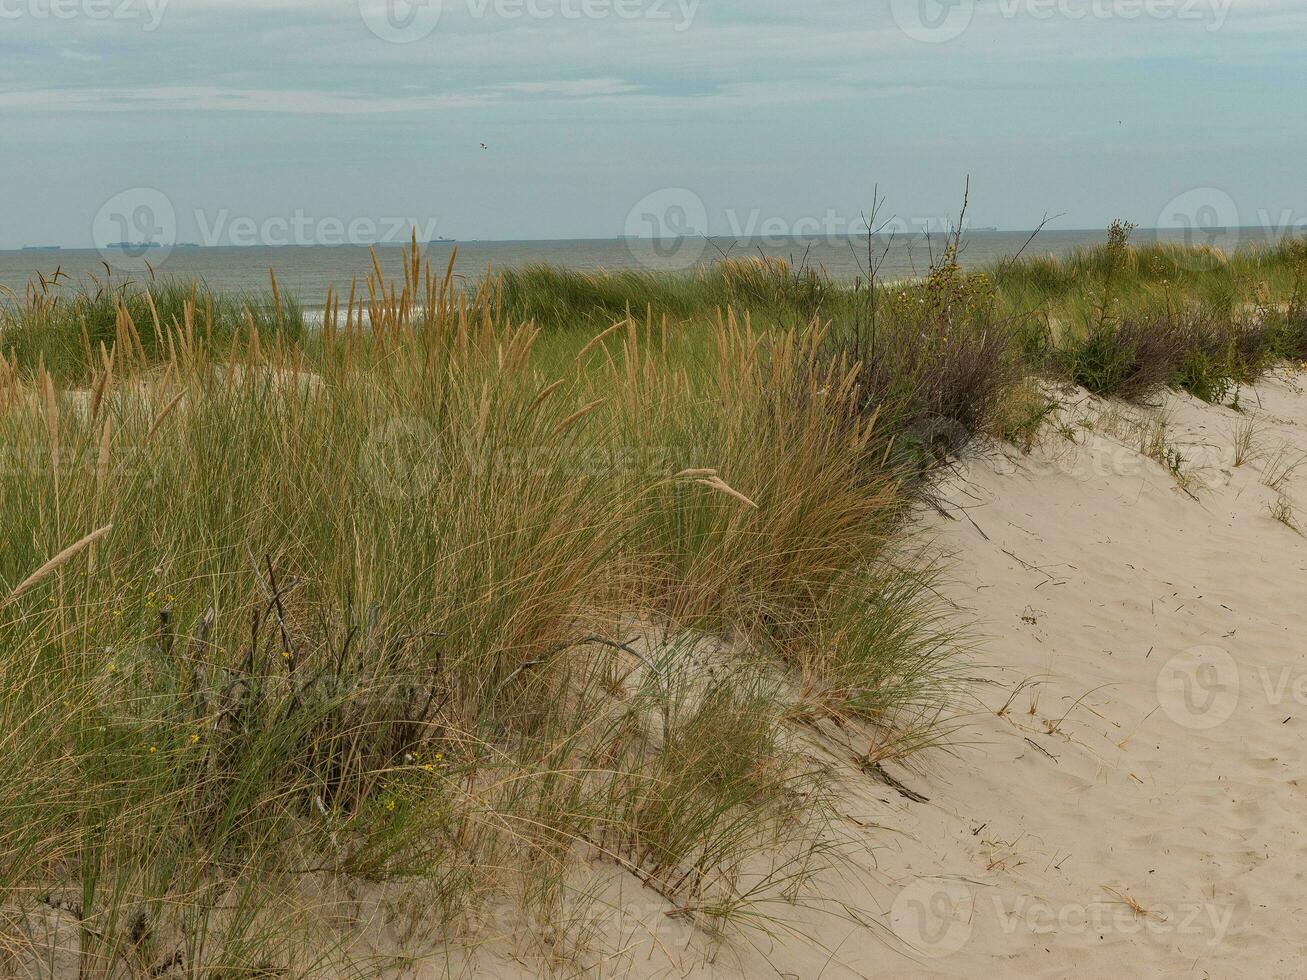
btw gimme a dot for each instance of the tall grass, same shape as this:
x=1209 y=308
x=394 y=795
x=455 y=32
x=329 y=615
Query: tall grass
x=1161 y=316
x=1152 y=271
x=403 y=610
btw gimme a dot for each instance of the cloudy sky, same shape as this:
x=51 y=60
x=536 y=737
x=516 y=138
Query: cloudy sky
x=779 y=110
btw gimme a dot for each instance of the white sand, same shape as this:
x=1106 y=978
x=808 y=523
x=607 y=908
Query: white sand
x=1178 y=779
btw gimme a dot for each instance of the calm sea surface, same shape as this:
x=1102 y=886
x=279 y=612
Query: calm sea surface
x=307 y=271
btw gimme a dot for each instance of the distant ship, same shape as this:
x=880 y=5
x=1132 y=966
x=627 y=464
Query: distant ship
x=41 y=248
x=405 y=244
x=135 y=246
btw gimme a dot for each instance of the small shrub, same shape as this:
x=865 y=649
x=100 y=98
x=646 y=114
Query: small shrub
x=1131 y=359
x=1020 y=416
x=1204 y=376
x=1287 y=333
x=934 y=368
x=1283 y=511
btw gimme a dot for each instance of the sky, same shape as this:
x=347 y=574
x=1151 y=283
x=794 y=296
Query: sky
x=288 y=121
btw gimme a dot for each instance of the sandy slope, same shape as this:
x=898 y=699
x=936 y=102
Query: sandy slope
x=1150 y=648
x=1160 y=758
x=1154 y=648
x=1168 y=636
x=1178 y=778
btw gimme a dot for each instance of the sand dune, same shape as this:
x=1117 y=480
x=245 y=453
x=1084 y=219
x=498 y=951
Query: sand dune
x=1158 y=759
x=1137 y=808
x=1125 y=797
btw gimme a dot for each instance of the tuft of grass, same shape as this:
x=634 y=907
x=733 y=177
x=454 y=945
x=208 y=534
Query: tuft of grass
x=1282 y=510
x=1280 y=468
x=1247 y=446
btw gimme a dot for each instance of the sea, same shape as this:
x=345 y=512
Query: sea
x=306 y=272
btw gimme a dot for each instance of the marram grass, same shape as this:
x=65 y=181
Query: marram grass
x=416 y=608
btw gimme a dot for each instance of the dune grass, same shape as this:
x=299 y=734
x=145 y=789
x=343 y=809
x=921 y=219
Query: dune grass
x=61 y=326
x=1120 y=319
x=433 y=603
x=407 y=612
x=1144 y=318
x=558 y=298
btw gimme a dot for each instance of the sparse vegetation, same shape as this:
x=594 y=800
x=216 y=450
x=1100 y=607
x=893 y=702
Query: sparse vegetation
x=1149 y=434
x=1280 y=468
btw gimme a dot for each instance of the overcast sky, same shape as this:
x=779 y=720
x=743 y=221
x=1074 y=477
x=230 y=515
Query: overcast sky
x=763 y=110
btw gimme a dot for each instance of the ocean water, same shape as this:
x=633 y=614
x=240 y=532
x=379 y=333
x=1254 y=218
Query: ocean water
x=307 y=271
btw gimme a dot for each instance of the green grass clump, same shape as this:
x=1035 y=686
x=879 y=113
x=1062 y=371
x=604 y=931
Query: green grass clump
x=1129 y=360
x=63 y=327
x=769 y=288
x=1286 y=332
